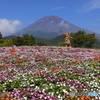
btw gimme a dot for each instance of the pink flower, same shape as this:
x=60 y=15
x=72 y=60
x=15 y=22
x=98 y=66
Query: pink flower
x=31 y=93
x=33 y=98
x=72 y=87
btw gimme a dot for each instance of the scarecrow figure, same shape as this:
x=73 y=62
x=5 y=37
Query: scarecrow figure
x=67 y=40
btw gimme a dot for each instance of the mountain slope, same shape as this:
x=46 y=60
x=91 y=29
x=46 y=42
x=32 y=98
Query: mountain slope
x=50 y=27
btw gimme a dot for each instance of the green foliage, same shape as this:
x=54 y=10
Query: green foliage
x=1 y=42
x=18 y=41
x=80 y=33
x=96 y=44
x=81 y=39
x=0 y=35
x=57 y=40
x=8 y=42
x=28 y=40
x=25 y=40
x=89 y=40
x=32 y=40
x=61 y=44
x=78 y=40
x=41 y=44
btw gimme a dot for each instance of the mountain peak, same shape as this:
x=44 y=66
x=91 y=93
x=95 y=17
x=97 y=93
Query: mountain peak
x=50 y=17
x=50 y=27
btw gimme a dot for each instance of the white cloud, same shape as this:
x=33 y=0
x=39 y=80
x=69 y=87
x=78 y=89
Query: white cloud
x=62 y=23
x=9 y=26
x=93 y=4
x=58 y=8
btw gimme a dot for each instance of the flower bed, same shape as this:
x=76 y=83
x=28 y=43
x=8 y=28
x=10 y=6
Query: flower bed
x=48 y=72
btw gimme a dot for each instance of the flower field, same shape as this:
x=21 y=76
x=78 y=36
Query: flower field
x=48 y=72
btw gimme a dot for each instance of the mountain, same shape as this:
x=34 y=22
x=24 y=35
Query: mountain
x=57 y=39
x=50 y=27
x=8 y=37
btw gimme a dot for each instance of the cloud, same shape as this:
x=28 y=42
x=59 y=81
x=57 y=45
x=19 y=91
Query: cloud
x=58 y=8
x=62 y=23
x=92 y=5
x=9 y=26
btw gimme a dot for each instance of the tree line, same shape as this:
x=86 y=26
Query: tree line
x=83 y=40
x=25 y=40
x=80 y=39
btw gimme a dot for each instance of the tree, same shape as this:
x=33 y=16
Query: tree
x=18 y=41
x=80 y=33
x=26 y=39
x=81 y=39
x=96 y=44
x=32 y=41
x=1 y=42
x=8 y=42
x=78 y=40
x=89 y=40
x=0 y=35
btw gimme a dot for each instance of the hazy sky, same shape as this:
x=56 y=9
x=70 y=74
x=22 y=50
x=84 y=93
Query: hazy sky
x=17 y=14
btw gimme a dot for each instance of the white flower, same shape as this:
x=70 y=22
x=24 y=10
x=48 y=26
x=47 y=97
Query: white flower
x=59 y=96
x=65 y=91
x=32 y=85
x=10 y=80
x=52 y=93
x=25 y=98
